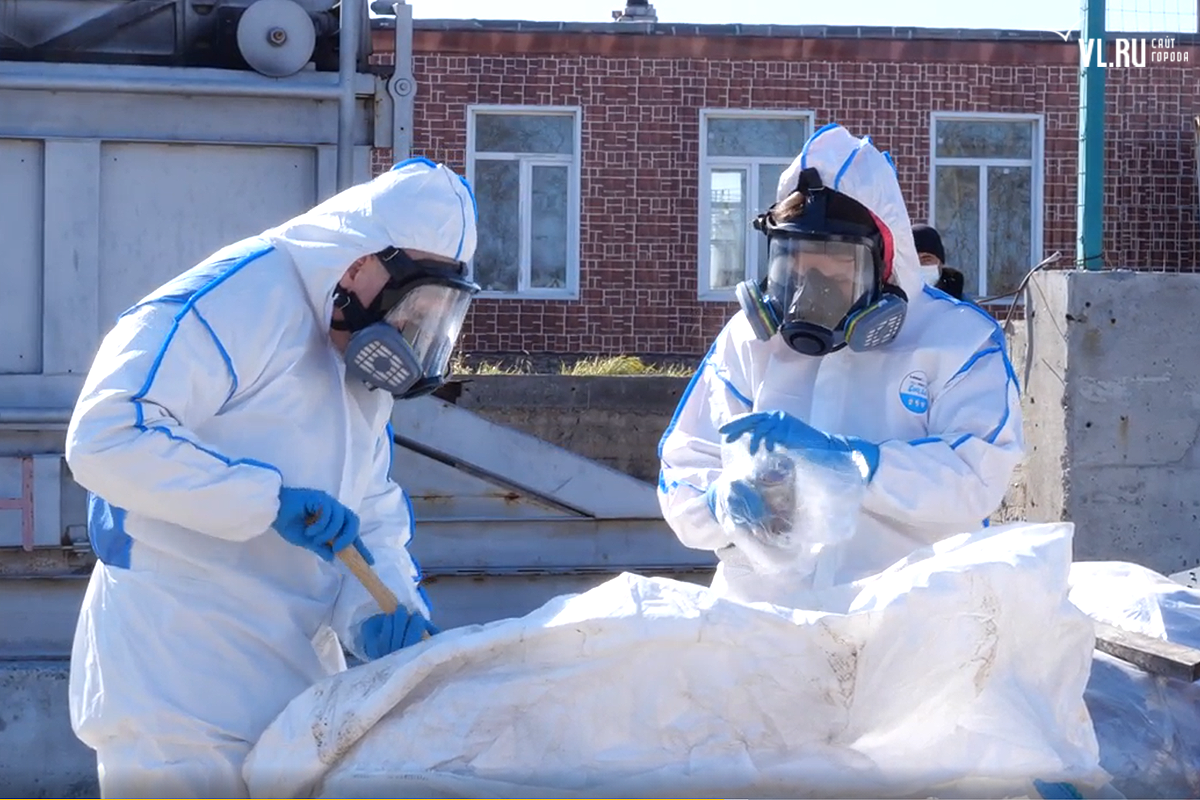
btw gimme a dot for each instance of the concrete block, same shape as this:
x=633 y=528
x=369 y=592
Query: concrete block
x=1148 y=515
x=646 y=393
x=39 y=754
x=1112 y=413
x=616 y=420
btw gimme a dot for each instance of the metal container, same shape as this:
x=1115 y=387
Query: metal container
x=173 y=32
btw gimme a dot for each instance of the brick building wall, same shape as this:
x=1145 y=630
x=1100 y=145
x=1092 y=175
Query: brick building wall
x=640 y=98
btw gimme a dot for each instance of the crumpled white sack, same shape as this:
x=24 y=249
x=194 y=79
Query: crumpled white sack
x=961 y=668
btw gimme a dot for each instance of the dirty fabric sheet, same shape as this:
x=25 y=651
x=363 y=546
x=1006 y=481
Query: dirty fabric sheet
x=1148 y=726
x=966 y=661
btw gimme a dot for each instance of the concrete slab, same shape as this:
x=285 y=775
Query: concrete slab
x=39 y=754
x=1112 y=414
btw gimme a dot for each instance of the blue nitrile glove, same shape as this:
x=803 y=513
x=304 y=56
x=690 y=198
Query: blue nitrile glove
x=387 y=633
x=739 y=500
x=314 y=520
x=778 y=428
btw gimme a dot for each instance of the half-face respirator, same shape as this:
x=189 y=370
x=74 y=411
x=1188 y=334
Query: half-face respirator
x=826 y=277
x=402 y=342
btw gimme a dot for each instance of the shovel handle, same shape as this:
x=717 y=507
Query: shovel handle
x=366 y=576
x=388 y=603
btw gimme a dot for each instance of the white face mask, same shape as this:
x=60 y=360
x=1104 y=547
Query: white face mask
x=930 y=273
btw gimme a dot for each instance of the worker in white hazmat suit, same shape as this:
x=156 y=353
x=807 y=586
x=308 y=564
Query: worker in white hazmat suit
x=843 y=347
x=233 y=434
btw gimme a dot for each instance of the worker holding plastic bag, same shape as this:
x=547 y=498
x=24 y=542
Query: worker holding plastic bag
x=842 y=354
x=233 y=434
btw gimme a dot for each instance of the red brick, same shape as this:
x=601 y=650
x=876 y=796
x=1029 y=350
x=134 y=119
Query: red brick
x=640 y=162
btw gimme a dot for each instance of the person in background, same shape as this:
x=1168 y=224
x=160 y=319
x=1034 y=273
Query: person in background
x=933 y=262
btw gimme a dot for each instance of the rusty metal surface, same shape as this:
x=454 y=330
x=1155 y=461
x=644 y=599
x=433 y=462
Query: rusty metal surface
x=748 y=47
x=553 y=547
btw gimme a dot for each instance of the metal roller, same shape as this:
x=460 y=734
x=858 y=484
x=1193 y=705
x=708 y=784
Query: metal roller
x=276 y=37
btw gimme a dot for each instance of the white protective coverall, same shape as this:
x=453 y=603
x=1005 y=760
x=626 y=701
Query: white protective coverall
x=941 y=401
x=200 y=623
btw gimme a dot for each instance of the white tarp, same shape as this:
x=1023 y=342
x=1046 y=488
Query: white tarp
x=1148 y=726
x=962 y=667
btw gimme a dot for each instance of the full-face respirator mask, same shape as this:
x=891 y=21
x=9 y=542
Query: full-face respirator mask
x=826 y=277
x=402 y=342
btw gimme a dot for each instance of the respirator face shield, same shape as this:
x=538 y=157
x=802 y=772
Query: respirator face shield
x=826 y=282
x=818 y=280
x=403 y=342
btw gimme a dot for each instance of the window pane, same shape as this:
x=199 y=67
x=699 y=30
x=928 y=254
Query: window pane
x=548 y=254
x=1010 y=227
x=525 y=133
x=727 y=241
x=755 y=137
x=956 y=210
x=768 y=180
x=984 y=138
x=497 y=255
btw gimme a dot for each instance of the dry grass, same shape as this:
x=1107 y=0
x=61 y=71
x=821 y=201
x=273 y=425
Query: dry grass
x=483 y=368
x=621 y=365
x=587 y=367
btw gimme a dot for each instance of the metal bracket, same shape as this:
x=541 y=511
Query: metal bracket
x=402 y=87
x=381 y=134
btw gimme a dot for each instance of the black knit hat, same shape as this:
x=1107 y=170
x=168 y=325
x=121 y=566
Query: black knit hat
x=929 y=241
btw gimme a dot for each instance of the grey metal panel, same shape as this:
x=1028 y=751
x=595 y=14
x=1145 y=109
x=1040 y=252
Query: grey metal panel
x=552 y=546
x=166 y=206
x=71 y=263
x=57 y=392
x=326 y=172
x=181 y=81
x=179 y=116
x=135 y=117
x=524 y=462
x=47 y=500
x=360 y=163
x=39 y=616
x=14 y=497
x=154 y=20
x=439 y=491
x=21 y=166
x=136 y=27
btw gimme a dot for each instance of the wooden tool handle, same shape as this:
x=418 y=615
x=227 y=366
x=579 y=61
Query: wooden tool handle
x=366 y=576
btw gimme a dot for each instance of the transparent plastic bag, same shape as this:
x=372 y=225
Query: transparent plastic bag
x=781 y=507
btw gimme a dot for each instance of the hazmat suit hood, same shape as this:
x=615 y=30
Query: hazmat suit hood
x=417 y=205
x=858 y=170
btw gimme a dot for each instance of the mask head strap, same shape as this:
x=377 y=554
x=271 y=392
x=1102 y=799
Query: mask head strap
x=355 y=316
x=402 y=270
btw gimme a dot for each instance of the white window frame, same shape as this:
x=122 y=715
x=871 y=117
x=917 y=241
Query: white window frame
x=527 y=161
x=1036 y=162
x=705 y=292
